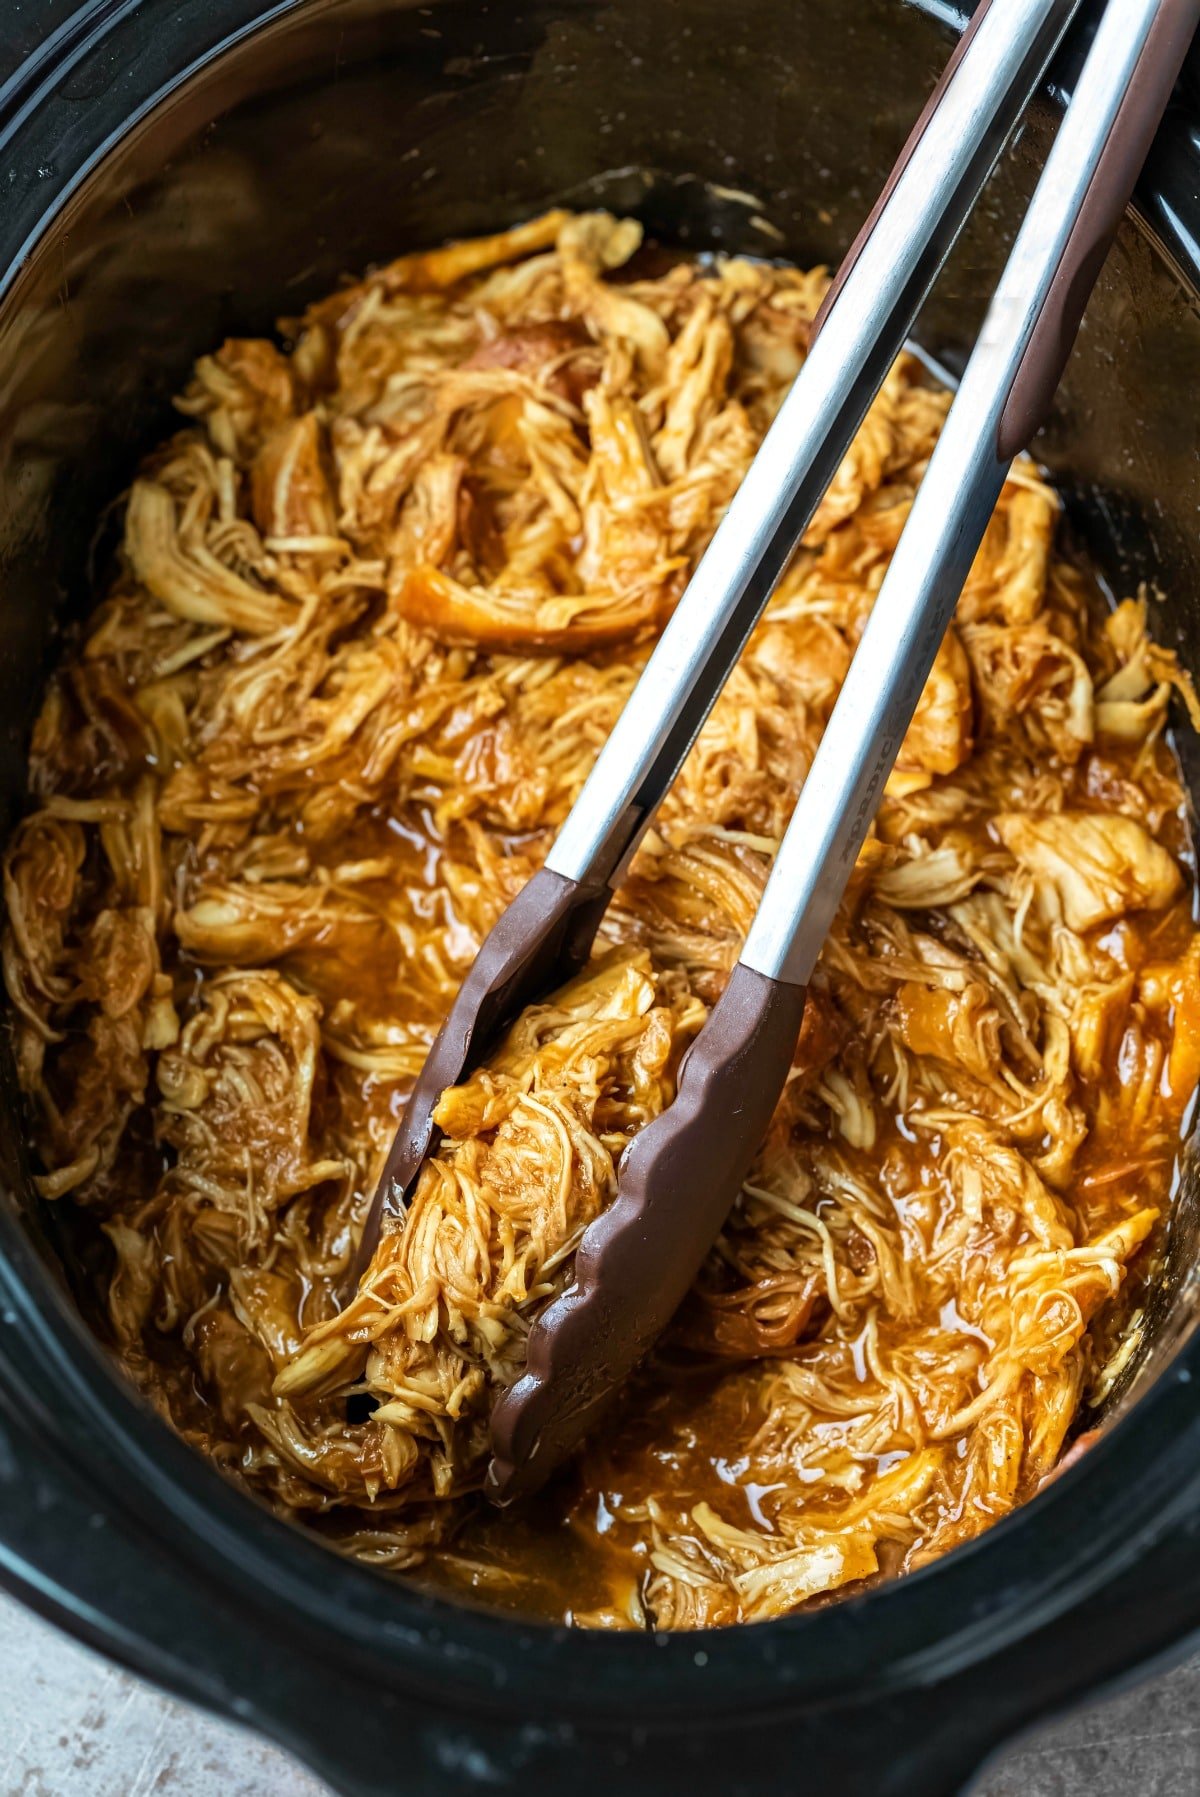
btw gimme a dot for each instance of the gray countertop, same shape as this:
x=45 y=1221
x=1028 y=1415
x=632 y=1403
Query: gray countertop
x=71 y=1725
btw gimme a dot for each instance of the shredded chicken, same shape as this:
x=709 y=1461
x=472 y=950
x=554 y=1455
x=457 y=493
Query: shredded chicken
x=378 y=604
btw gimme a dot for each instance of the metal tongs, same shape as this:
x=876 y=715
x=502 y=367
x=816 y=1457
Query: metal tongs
x=679 y=1177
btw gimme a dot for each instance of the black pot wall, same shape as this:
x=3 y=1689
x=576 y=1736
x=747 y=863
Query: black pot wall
x=134 y=237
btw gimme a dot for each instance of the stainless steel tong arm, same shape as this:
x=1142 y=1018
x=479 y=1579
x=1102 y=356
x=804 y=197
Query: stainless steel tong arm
x=1008 y=384
x=878 y=292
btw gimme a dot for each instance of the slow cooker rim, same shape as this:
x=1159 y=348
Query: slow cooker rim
x=1167 y=1411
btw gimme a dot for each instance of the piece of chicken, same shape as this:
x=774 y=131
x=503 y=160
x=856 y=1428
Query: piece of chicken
x=289 y=485
x=527 y=1158
x=1093 y=866
x=941 y=735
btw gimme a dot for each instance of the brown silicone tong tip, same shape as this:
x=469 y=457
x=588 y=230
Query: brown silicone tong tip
x=676 y=1183
x=543 y=938
x=1095 y=226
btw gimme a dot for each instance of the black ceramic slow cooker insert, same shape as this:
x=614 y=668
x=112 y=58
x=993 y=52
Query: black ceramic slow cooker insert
x=175 y=171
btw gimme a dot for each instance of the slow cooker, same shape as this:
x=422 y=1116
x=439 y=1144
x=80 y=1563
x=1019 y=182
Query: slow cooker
x=174 y=171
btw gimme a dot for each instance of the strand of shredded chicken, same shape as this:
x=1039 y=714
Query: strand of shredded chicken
x=376 y=607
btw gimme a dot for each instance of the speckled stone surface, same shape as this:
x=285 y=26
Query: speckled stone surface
x=1143 y=1743
x=73 y=1726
